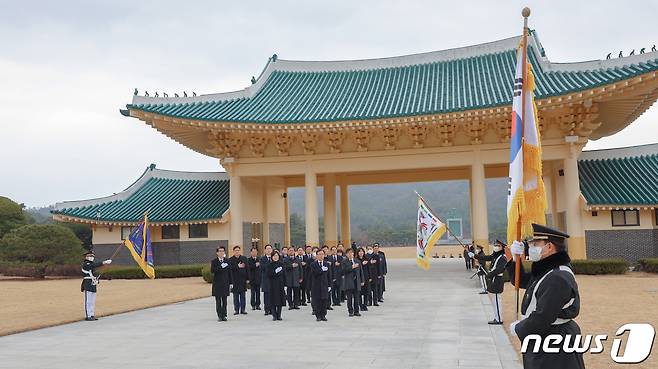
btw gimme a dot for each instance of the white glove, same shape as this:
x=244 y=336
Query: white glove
x=108 y=261
x=517 y=248
x=329 y=289
x=224 y=265
x=470 y=254
x=278 y=269
x=512 y=327
x=324 y=268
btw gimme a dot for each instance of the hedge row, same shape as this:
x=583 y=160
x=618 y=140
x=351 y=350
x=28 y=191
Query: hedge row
x=599 y=266
x=649 y=265
x=37 y=270
x=593 y=266
x=164 y=271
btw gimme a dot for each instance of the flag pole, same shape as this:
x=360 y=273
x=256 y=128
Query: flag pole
x=517 y=272
x=444 y=222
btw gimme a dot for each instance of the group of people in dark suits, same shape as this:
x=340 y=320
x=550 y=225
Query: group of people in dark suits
x=324 y=277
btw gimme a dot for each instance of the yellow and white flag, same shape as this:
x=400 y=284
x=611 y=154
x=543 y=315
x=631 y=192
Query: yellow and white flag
x=429 y=229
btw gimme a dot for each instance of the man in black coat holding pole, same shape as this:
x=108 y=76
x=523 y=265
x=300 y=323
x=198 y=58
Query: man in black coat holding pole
x=221 y=280
x=239 y=276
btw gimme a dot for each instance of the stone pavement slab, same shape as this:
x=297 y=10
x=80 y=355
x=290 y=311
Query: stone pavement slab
x=431 y=319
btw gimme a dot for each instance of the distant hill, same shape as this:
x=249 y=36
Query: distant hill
x=387 y=213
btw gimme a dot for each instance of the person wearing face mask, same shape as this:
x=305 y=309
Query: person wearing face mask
x=481 y=269
x=551 y=301
x=90 y=282
x=495 y=280
x=276 y=276
x=374 y=276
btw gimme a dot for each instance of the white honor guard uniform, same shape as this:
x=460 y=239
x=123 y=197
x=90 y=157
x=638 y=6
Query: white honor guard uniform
x=89 y=283
x=551 y=299
x=494 y=278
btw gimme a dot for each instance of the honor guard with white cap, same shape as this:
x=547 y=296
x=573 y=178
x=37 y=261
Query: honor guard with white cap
x=90 y=283
x=494 y=278
x=551 y=299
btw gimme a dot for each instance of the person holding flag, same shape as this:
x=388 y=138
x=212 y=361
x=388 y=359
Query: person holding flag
x=496 y=284
x=551 y=300
x=90 y=283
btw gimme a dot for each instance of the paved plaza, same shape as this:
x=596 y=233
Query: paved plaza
x=431 y=319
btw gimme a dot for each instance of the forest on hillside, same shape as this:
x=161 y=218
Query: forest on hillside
x=387 y=213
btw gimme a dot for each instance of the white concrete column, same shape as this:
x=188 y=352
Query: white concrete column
x=571 y=193
x=345 y=235
x=479 y=221
x=235 y=203
x=330 y=215
x=265 y=220
x=312 y=222
x=286 y=211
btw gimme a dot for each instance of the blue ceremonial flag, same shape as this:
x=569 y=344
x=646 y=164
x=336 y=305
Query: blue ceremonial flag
x=139 y=245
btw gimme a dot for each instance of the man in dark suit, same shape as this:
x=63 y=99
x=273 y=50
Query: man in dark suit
x=239 y=276
x=352 y=282
x=253 y=266
x=374 y=275
x=307 y=258
x=383 y=269
x=336 y=274
x=321 y=286
x=220 y=281
x=293 y=277
x=265 y=280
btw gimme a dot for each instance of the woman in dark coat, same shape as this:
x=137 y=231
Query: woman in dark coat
x=277 y=280
x=365 y=289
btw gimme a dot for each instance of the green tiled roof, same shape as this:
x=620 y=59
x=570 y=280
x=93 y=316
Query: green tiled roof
x=629 y=180
x=168 y=196
x=439 y=82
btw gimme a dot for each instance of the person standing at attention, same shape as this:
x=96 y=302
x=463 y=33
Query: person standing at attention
x=221 y=280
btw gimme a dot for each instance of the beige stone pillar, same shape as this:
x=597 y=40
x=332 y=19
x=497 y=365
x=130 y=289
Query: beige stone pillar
x=330 y=215
x=235 y=203
x=576 y=241
x=265 y=221
x=479 y=221
x=345 y=235
x=286 y=210
x=312 y=222
x=552 y=179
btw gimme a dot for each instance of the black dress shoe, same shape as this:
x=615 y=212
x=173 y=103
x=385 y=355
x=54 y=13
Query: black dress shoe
x=364 y=308
x=224 y=319
x=89 y=319
x=495 y=322
x=243 y=312
x=236 y=313
x=290 y=308
x=330 y=308
x=380 y=300
x=323 y=319
x=318 y=319
x=94 y=318
x=375 y=304
x=279 y=318
x=257 y=307
x=253 y=308
x=357 y=314
x=351 y=315
x=274 y=319
x=303 y=304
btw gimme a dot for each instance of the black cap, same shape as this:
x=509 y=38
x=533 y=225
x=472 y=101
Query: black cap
x=501 y=243
x=541 y=232
x=89 y=252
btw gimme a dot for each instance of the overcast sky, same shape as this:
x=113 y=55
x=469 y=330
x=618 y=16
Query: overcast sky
x=67 y=67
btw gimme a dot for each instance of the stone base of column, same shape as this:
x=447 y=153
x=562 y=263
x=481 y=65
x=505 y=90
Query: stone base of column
x=577 y=248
